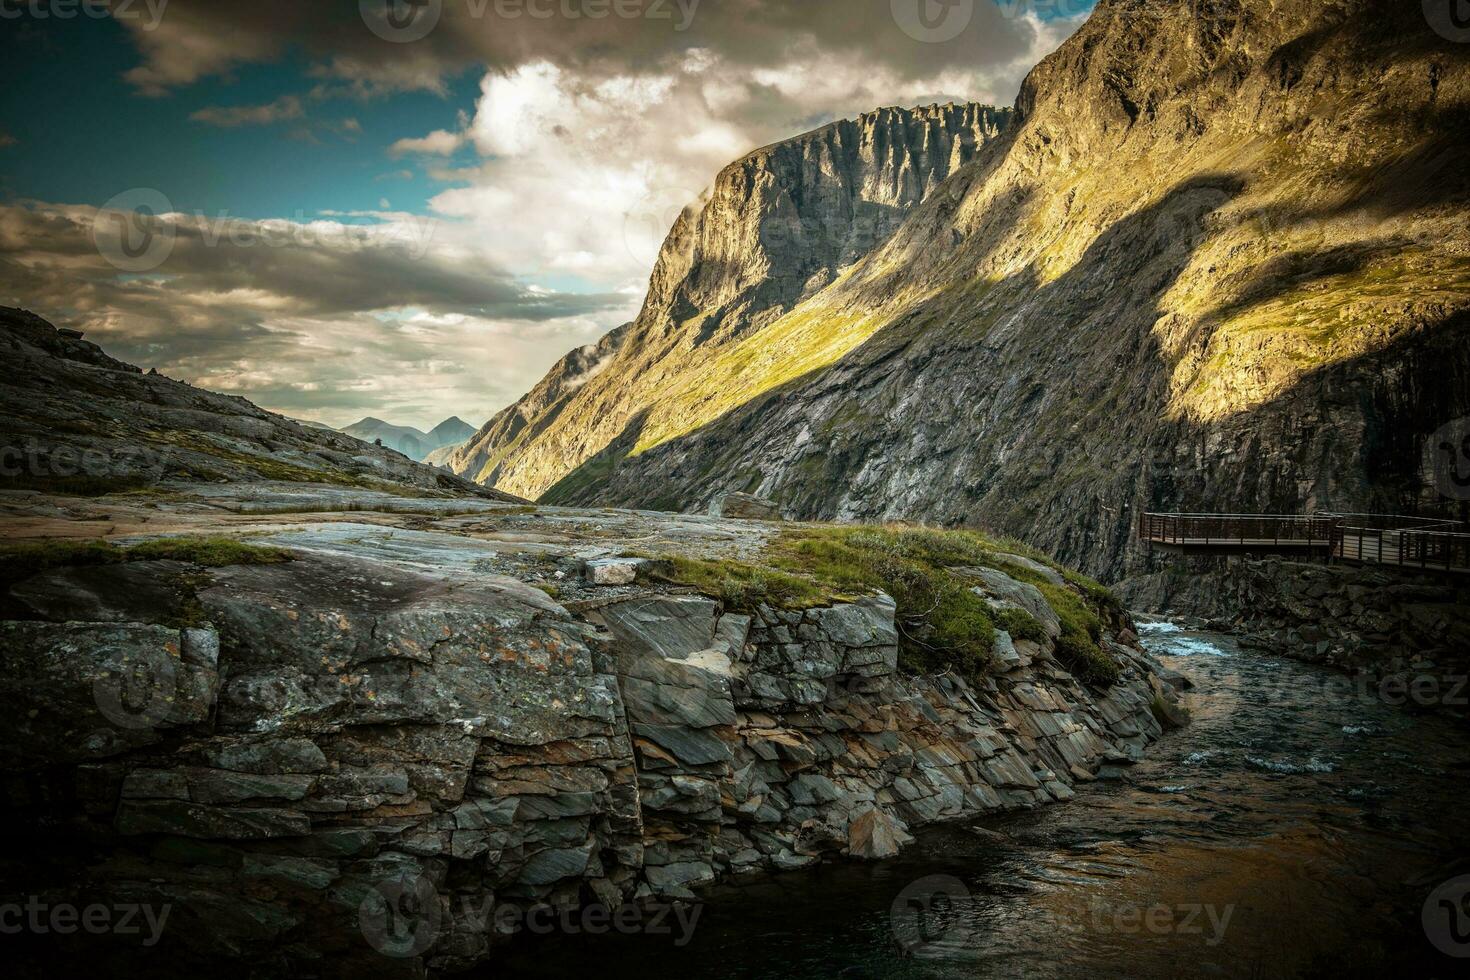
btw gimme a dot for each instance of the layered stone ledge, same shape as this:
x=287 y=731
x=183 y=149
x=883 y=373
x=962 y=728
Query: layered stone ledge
x=347 y=723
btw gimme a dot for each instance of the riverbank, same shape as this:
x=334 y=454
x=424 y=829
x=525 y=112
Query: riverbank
x=292 y=731
x=1284 y=833
x=1404 y=634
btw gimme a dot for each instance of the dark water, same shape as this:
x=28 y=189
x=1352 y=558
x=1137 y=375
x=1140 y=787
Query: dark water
x=1297 y=828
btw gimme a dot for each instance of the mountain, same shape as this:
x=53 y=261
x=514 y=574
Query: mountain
x=409 y=441
x=74 y=420
x=1219 y=261
x=452 y=430
x=777 y=228
x=440 y=457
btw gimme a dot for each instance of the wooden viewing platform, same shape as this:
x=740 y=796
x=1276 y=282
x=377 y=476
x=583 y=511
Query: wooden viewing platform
x=1422 y=544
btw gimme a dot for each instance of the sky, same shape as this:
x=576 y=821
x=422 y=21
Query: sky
x=412 y=209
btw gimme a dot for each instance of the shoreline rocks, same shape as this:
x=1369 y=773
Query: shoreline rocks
x=1378 y=623
x=360 y=719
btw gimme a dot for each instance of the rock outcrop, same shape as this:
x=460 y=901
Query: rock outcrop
x=73 y=419
x=1219 y=262
x=369 y=719
x=330 y=745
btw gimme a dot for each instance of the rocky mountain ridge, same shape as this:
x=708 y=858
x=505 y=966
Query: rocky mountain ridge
x=74 y=420
x=778 y=226
x=1219 y=262
x=409 y=441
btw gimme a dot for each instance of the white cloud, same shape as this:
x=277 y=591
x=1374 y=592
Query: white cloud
x=604 y=163
x=441 y=142
x=402 y=317
x=591 y=136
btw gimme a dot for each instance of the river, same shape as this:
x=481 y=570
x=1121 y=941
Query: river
x=1298 y=827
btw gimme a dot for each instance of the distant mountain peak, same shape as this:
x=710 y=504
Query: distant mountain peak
x=410 y=441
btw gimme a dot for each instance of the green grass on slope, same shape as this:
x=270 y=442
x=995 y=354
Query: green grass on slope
x=943 y=625
x=22 y=559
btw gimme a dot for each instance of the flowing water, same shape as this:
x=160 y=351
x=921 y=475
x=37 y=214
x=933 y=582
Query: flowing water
x=1299 y=827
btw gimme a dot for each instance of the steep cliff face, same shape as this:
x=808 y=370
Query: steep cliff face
x=1220 y=262
x=775 y=229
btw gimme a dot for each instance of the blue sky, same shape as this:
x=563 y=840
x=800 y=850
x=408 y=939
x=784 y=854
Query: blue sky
x=447 y=217
x=66 y=104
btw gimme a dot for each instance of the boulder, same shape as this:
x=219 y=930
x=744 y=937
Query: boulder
x=745 y=507
x=875 y=835
x=667 y=627
x=613 y=571
x=1006 y=592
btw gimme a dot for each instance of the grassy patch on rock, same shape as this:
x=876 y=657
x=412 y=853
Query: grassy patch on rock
x=78 y=486
x=23 y=559
x=739 y=585
x=943 y=623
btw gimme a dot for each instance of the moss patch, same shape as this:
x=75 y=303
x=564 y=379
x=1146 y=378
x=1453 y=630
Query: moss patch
x=179 y=604
x=22 y=560
x=942 y=624
x=211 y=552
x=739 y=585
x=77 y=486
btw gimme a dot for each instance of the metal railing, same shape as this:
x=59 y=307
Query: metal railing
x=1433 y=544
x=1238 y=530
x=1407 y=542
